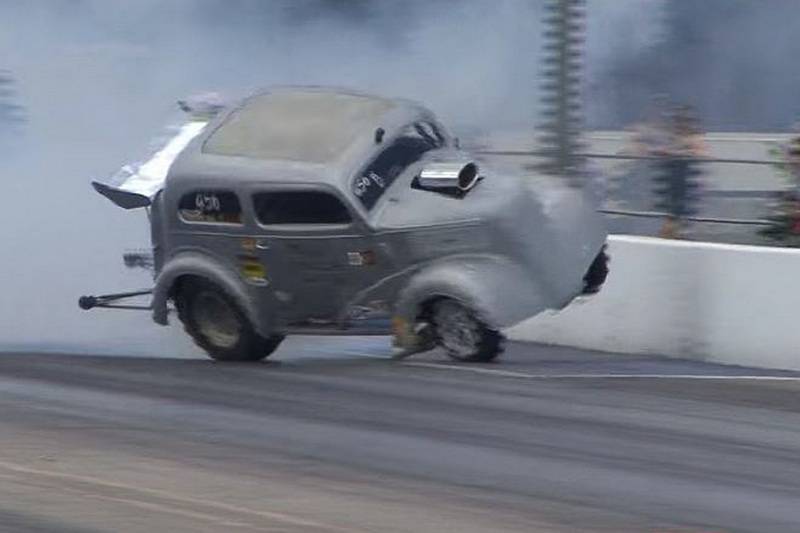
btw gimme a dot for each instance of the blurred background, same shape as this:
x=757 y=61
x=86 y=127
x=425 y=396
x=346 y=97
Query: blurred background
x=88 y=85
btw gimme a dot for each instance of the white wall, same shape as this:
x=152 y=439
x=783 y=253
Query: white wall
x=723 y=303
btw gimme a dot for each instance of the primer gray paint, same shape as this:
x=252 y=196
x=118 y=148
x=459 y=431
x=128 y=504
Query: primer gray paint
x=509 y=248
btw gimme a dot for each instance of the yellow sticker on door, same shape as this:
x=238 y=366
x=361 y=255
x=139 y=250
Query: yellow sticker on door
x=253 y=271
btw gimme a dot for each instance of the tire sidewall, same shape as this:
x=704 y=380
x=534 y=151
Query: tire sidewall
x=490 y=341
x=249 y=347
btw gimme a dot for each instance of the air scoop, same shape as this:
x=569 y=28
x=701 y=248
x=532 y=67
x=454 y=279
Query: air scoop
x=457 y=177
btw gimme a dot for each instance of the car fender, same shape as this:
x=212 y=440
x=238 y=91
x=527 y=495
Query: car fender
x=201 y=265
x=498 y=289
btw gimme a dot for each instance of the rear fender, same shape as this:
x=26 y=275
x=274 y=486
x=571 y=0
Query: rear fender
x=201 y=265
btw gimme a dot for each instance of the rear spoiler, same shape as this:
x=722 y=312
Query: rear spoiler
x=136 y=184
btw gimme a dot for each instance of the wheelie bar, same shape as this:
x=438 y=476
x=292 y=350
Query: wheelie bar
x=110 y=301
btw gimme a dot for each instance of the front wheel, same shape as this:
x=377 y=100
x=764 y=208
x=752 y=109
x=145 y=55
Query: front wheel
x=218 y=325
x=463 y=335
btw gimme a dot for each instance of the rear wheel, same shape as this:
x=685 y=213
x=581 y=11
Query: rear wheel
x=462 y=334
x=218 y=325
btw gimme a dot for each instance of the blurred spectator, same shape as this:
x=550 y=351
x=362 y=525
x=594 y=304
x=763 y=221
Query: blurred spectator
x=670 y=134
x=784 y=227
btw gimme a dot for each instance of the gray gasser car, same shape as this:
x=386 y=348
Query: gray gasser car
x=311 y=210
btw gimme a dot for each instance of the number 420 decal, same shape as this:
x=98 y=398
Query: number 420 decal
x=364 y=183
x=207 y=203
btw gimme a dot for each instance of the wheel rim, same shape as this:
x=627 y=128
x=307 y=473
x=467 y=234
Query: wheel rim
x=216 y=320
x=457 y=329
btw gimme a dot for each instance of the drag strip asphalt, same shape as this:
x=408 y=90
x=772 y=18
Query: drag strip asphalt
x=332 y=435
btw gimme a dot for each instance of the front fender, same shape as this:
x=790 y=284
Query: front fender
x=204 y=266
x=499 y=290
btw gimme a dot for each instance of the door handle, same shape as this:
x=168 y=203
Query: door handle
x=261 y=245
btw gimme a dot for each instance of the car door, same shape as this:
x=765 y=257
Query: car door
x=313 y=249
x=210 y=220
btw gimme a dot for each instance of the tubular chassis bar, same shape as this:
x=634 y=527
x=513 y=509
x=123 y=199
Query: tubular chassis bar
x=109 y=301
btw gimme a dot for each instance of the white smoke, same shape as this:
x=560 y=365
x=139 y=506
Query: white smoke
x=99 y=78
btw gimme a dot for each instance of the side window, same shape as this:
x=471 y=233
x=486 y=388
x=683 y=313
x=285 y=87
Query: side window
x=210 y=206
x=410 y=146
x=306 y=207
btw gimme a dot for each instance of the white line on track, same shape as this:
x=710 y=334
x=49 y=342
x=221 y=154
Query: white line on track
x=384 y=355
x=135 y=494
x=524 y=375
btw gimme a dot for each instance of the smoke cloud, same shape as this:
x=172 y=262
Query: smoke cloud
x=98 y=79
x=733 y=60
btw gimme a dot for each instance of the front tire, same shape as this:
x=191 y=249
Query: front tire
x=463 y=335
x=218 y=325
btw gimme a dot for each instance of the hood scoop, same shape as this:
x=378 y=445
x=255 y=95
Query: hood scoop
x=455 y=177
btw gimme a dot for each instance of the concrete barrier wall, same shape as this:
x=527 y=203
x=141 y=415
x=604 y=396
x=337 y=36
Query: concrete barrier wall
x=723 y=303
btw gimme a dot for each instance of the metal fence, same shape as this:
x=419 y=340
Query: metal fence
x=740 y=230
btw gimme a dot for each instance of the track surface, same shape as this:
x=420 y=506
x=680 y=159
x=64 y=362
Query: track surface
x=331 y=437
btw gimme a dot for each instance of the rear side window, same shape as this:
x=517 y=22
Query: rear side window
x=376 y=178
x=307 y=207
x=210 y=206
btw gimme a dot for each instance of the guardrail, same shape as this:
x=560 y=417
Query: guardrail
x=712 y=220
x=539 y=153
x=658 y=214
x=727 y=303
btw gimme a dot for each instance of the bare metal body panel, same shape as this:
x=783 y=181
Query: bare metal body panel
x=511 y=247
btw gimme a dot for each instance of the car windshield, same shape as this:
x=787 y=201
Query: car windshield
x=415 y=140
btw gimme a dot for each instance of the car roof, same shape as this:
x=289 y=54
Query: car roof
x=298 y=125
x=294 y=134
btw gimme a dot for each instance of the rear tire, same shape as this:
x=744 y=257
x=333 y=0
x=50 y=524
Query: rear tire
x=463 y=335
x=218 y=325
